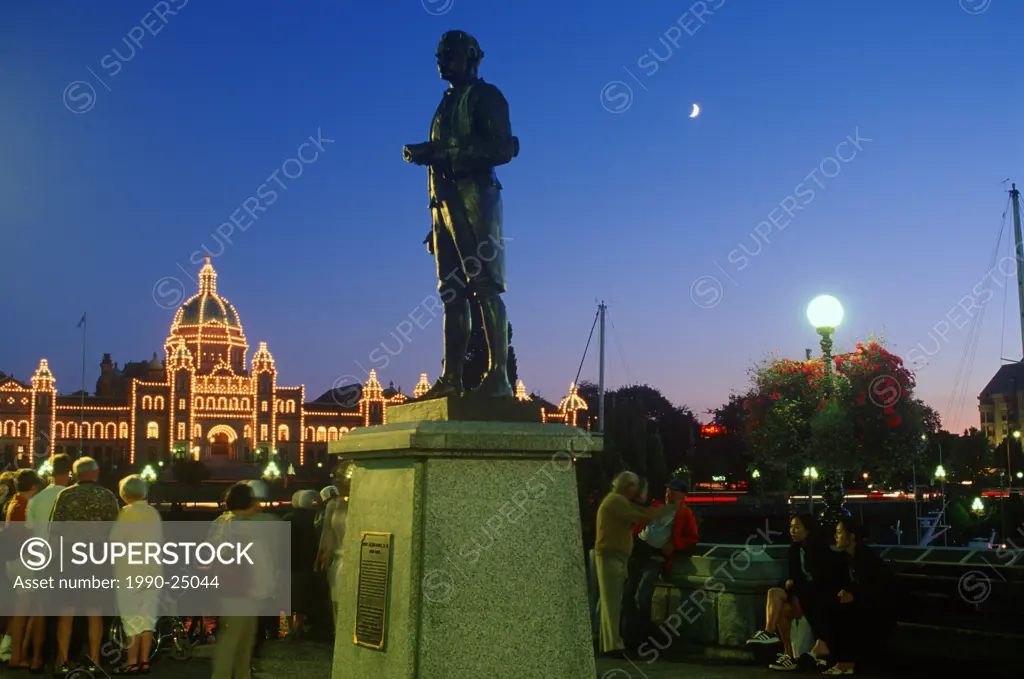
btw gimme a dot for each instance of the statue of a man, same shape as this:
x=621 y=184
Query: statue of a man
x=469 y=136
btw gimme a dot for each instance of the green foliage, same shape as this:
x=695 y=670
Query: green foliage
x=858 y=414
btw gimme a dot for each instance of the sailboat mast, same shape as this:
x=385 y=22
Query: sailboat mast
x=1015 y=196
x=600 y=379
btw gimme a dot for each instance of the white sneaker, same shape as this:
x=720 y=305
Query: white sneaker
x=763 y=638
x=784 y=663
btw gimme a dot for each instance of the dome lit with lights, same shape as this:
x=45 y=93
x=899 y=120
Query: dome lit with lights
x=209 y=326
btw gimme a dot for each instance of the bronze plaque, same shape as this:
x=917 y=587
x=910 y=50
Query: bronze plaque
x=372 y=590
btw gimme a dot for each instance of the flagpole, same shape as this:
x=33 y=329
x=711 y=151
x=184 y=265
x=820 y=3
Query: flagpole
x=81 y=416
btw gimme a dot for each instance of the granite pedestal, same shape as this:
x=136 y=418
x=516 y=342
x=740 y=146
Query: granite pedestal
x=487 y=578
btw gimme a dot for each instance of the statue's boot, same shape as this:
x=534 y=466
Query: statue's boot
x=495 y=383
x=456 y=341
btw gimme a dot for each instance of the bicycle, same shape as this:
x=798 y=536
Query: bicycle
x=170 y=633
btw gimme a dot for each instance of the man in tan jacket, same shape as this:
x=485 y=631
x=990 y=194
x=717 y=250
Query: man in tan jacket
x=615 y=520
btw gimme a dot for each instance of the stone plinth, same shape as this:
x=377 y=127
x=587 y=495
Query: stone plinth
x=487 y=573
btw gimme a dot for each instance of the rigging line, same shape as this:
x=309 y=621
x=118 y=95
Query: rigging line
x=961 y=383
x=622 y=354
x=586 y=348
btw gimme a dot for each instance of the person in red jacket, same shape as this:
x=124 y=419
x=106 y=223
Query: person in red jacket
x=656 y=546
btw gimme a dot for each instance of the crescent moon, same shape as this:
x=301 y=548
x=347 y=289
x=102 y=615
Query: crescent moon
x=695 y=112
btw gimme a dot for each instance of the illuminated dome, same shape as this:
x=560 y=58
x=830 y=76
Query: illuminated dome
x=209 y=327
x=207 y=306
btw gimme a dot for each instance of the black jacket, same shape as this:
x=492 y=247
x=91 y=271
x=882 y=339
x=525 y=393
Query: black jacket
x=826 y=566
x=869 y=580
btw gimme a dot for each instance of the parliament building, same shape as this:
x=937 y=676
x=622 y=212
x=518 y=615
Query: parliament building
x=205 y=399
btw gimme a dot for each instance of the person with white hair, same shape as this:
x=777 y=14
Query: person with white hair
x=332 y=539
x=137 y=522
x=84 y=501
x=616 y=517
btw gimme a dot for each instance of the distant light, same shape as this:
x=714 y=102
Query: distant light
x=940 y=472
x=46 y=468
x=718 y=479
x=865 y=475
x=977 y=505
x=148 y=474
x=755 y=474
x=271 y=472
x=810 y=473
x=320 y=464
x=160 y=463
x=1016 y=434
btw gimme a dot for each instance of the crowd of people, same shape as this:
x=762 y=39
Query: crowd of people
x=31 y=505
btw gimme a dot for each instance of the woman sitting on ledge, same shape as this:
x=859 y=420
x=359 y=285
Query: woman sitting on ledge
x=814 y=573
x=862 y=613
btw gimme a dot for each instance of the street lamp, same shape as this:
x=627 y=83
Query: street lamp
x=825 y=313
x=810 y=473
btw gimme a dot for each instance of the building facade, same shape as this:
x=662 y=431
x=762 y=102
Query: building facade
x=205 y=399
x=1001 y=401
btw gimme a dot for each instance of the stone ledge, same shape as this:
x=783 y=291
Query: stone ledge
x=465 y=439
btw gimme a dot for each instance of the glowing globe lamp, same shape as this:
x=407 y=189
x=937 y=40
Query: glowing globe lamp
x=825 y=311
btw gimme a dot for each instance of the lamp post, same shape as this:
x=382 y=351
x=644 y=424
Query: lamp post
x=810 y=473
x=940 y=476
x=825 y=313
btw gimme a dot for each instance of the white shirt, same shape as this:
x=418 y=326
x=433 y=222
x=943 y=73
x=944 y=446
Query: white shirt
x=40 y=507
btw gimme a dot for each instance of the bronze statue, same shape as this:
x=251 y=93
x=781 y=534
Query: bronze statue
x=469 y=136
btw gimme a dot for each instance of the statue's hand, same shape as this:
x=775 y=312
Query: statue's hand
x=419 y=154
x=429 y=241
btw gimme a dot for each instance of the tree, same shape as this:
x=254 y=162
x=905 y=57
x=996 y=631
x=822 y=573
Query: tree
x=477 y=358
x=856 y=415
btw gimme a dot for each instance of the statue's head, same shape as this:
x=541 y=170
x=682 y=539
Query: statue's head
x=458 y=56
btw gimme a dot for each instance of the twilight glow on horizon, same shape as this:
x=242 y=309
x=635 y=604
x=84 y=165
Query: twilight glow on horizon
x=863 y=158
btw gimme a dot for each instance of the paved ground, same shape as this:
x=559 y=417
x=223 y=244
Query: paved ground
x=312 y=660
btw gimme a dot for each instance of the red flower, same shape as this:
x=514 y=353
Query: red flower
x=775 y=396
x=894 y=420
x=860 y=400
x=889 y=411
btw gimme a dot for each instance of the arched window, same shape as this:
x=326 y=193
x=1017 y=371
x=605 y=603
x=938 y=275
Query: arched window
x=332 y=434
x=282 y=432
x=310 y=433
x=247 y=431
x=23 y=428
x=10 y=428
x=321 y=434
x=152 y=430
x=111 y=430
x=147 y=402
x=264 y=431
x=234 y=403
x=222 y=403
x=158 y=403
x=97 y=430
x=86 y=430
x=59 y=430
x=181 y=431
x=72 y=430
x=211 y=403
x=291 y=406
x=246 y=405
x=263 y=406
x=181 y=404
x=124 y=430
x=197 y=431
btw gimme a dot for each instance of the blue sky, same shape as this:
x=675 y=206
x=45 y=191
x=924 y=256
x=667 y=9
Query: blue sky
x=102 y=209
